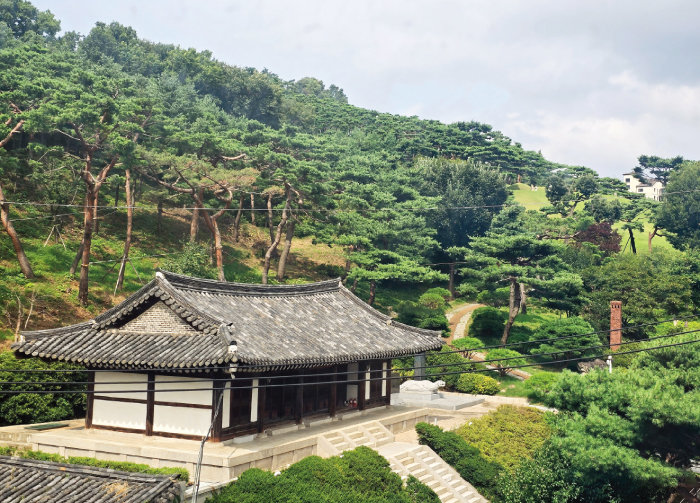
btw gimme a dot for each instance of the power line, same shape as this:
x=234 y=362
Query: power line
x=352 y=372
x=268 y=365
x=259 y=386
x=330 y=210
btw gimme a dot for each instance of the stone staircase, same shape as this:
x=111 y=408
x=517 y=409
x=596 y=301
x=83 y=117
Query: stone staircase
x=424 y=464
x=371 y=434
x=404 y=458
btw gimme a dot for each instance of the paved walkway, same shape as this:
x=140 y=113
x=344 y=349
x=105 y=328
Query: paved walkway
x=458 y=317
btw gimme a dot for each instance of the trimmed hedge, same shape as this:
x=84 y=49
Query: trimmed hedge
x=360 y=475
x=487 y=322
x=508 y=434
x=23 y=408
x=467 y=343
x=466 y=459
x=123 y=466
x=478 y=384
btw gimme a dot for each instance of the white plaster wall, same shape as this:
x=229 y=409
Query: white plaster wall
x=182 y=420
x=119 y=414
x=135 y=382
x=254 y=401
x=202 y=394
x=367 y=387
x=384 y=370
x=226 y=407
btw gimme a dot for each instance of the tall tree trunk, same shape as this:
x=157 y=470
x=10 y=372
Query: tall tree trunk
x=252 y=208
x=92 y=191
x=24 y=264
x=651 y=236
x=372 y=292
x=159 y=218
x=513 y=307
x=282 y=264
x=237 y=221
x=194 y=223
x=78 y=257
x=354 y=286
x=129 y=226
x=632 y=243
x=95 y=219
x=269 y=218
x=451 y=284
x=87 y=243
x=116 y=195
x=278 y=235
x=218 y=257
x=523 y=298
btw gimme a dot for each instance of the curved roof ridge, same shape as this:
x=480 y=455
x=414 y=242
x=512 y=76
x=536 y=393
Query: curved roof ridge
x=251 y=289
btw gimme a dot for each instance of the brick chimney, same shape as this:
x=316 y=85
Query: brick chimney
x=615 y=324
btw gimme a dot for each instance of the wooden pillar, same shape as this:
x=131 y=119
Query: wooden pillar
x=261 y=404
x=419 y=364
x=361 y=385
x=387 y=381
x=215 y=397
x=299 y=407
x=150 y=401
x=90 y=399
x=334 y=391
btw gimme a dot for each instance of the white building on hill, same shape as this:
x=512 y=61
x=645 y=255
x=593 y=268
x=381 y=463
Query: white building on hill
x=652 y=190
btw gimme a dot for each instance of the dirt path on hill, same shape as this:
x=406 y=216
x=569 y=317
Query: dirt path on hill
x=458 y=318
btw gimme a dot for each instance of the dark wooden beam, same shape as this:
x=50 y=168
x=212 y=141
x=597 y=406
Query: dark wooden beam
x=150 y=402
x=218 y=420
x=299 y=408
x=90 y=399
x=334 y=391
x=388 y=382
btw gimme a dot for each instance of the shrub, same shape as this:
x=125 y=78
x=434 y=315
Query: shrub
x=446 y=366
x=464 y=458
x=502 y=366
x=25 y=408
x=565 y=348
x=507 y=435
x=467 y=343
x=487 y=322
x=432 y=301
x=478 y=384
x=539 y=384
x=417 y=315
x=357 y=475
x=192 y=261
x=495 y=298
x=442 y=292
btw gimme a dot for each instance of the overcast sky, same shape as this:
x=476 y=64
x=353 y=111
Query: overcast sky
x=594 y=83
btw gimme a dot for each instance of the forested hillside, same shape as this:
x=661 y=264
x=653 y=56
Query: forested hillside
x=119 y=155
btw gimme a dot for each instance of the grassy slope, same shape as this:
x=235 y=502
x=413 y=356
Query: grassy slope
x=56 y=291
x=534 y=200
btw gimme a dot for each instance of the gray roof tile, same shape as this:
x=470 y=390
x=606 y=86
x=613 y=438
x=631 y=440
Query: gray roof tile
x=271 y=325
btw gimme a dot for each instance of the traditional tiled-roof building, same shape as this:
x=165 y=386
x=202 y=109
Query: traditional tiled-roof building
x=33 y=481
x=163 y=360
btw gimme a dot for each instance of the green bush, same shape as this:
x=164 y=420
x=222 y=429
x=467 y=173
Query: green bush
x=356 y=476
x=539 y=384
x=502 y=366
x=464 y=458
x=123 y=466
x=487 y=323
x=432 y=301
x=23 y=408
x=194 y=260
x=507 y=435
x=446 y=366
x=467 y=343
x=478 y=384
x=418 y=315
x=566 y=348
x=495 y=298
